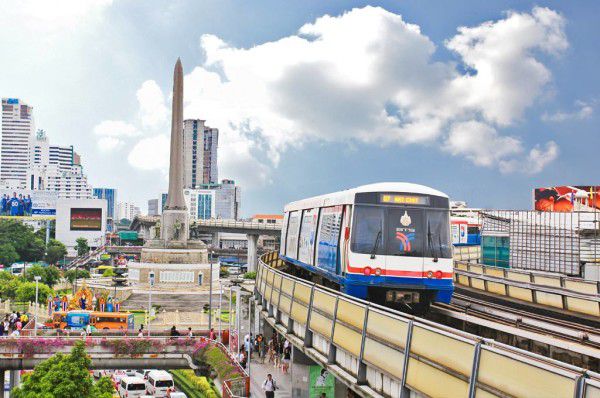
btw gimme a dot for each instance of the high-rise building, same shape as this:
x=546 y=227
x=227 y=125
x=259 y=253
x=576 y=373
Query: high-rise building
x=200 y=144
x=110 y=194
x=44 y=153
x=228 y=196
x=127 y=210
x=214 y=201
x=153 y=207
x=17 y=134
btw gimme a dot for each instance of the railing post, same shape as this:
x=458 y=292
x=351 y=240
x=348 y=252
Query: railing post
x=474 y=370
x=278 y=316
x=308 y=335
x=332 y=348
x=361 y=376
x=290 y=322
x=405 y=393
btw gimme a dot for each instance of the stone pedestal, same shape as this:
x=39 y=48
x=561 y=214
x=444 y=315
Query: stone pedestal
x=175 y=227
x=173 y=277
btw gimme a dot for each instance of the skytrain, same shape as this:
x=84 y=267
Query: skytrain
x=388 y=243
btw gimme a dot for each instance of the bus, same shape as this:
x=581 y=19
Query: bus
x=77 y=320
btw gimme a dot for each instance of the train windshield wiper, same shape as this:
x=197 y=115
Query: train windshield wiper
x=430 y=243
x=375 y=245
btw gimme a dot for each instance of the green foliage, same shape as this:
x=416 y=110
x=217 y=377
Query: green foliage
x=65 y=376
x=26 y=292
x=55 y=251
x=81 y=245
x=108 y=272
x=220 y=362
x=250 y=275
x=23 y=240
x=71 y=274
x=8 y=285
x=50 y=275
x=8 y=254
x=194 y=386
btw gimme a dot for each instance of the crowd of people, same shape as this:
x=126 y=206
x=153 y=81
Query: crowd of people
x=20 y=205
x=12 y=324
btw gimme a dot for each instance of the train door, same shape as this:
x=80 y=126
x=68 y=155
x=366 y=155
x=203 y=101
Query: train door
x=405 y=237
x=345 y=238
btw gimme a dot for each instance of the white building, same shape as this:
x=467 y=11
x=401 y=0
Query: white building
x=127 y=210
x=70 y=183
x=153 y=207
x=200 y=144
x=201 y=203
x=17 y=133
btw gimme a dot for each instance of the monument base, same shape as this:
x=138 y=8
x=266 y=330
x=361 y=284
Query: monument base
x=173 y=277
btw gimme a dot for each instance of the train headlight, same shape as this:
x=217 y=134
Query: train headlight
x=377 y=271
x=438 y=274
x=430 y=274
x=367 y=271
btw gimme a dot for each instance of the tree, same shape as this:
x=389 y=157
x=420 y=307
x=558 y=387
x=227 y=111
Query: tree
x=8 y=285
x=8 y=254
x=50 y=275
x=82 y=246
x=65 y=376
x=108 y=273
x=55 y=251
x=80 y=274
x=23 y=240
x=26 y=292
x=34 y=249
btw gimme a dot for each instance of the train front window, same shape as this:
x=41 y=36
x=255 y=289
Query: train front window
x=405 y=232
x=438 y=234
x=368 y=231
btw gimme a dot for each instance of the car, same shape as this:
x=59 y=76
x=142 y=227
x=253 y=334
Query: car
x=143 y=373
x=132 y=387
x=178 y=394
x=158 y=382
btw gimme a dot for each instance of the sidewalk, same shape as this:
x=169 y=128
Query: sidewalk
x=258 y=374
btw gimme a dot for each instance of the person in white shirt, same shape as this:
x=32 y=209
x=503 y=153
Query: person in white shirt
x=88 y=329
x=269 y=386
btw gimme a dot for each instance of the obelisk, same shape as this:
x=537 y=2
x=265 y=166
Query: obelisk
x=175 y=218
x=175 y=198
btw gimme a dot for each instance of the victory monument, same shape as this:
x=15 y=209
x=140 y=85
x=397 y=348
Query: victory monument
x=176 y=260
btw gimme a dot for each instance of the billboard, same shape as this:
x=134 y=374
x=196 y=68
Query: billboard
x=89 y=219
x=567 y=198
x=322 y=383
x=27 y=203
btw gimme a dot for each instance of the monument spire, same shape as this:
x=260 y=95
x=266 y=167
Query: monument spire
x=175 y=197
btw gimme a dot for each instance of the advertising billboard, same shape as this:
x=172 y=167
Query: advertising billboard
x=567 y=198
x=27 y=203
x=322 y=383
x=89 y=219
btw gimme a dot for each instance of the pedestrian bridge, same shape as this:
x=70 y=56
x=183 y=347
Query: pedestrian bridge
x=378 y=352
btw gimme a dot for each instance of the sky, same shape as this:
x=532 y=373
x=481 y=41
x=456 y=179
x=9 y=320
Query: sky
x=483 y=100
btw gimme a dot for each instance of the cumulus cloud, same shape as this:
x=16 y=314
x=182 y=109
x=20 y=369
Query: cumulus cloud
x=115 y=128
x=369 y=76
x=583 y=110
x=153 y=110
x=108 y=143
x=151 y=153
x=537 y=159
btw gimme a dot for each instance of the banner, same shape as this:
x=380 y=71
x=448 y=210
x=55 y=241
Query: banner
x=27 y=203
x=567 y=198
x=322 y=383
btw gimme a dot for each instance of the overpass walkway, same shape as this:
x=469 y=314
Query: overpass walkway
x=379 y=352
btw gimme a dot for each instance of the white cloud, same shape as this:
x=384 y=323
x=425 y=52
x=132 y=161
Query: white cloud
x=109 y=143
x=115 y=128
x=537 y=159
x=367 y=76
x=151 y=153
x=584 y=110
x=153 y=111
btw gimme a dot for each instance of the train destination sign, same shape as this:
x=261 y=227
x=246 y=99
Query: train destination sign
x=404 y=199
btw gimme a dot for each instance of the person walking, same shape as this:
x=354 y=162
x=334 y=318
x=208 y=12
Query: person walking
x=269 y=386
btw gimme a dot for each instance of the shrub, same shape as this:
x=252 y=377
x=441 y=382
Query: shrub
x=250 y=275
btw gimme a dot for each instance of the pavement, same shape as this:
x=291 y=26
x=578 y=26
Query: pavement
x=258 y=374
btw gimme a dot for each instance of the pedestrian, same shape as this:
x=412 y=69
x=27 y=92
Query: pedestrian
x=88 y=329
x=190 y=334
x=269 y=385
x=174 y=332
x=287 y=355
x=141 y=333
x=211 y=334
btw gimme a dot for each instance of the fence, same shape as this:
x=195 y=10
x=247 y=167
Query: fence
x=379 y=352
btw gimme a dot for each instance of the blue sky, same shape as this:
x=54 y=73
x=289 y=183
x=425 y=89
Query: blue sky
x=314 y=96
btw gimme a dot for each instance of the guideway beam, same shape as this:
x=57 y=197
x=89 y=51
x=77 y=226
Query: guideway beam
x=252 y=251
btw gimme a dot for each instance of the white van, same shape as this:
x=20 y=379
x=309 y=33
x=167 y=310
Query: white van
x=158 y=382
x=132 y=387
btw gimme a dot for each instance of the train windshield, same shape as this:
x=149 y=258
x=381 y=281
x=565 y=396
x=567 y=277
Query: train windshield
x=401 y=231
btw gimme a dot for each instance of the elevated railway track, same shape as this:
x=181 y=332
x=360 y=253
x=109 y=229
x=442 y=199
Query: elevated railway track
x=377 y=351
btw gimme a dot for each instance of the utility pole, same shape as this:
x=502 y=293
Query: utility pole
x=151 y=282
x=210 y=260
x=37 y=279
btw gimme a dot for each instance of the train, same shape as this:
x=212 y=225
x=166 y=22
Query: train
x=388 y=243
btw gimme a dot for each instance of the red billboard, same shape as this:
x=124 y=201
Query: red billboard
x=567 y=198
x=86 y=219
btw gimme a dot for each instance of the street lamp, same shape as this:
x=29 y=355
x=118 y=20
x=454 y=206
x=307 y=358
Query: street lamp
x=210 y=260
x=37 y=279
x=151 y=282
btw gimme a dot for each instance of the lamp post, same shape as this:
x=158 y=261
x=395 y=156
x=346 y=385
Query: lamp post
x=151 y=282
x=220 y=309
x=210 y=260
x=37 y=279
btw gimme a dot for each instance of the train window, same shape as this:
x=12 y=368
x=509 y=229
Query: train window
x=284 y=228
x=437 y=230
x=329 y=235
x=368 y=232
x=473 y=230
x=291 y=246
x=405 y=232
x=307 y=235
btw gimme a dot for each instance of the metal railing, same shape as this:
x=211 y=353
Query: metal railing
x=551 y=290
x=380 y=352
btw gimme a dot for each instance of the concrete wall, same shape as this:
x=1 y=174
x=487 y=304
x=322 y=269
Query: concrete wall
x=66 y=235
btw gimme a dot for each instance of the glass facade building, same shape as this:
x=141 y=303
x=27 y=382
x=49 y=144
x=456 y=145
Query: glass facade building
x=110 y=194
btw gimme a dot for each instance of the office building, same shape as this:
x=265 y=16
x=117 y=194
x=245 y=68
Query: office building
x=201 y=203
x=17 y=135
x=228 y=197
x=43 y=153
x=127 y=210
x=200 y=144
x=153 y=207
x=110 y=194
x=220 y=201
x=267 y=218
